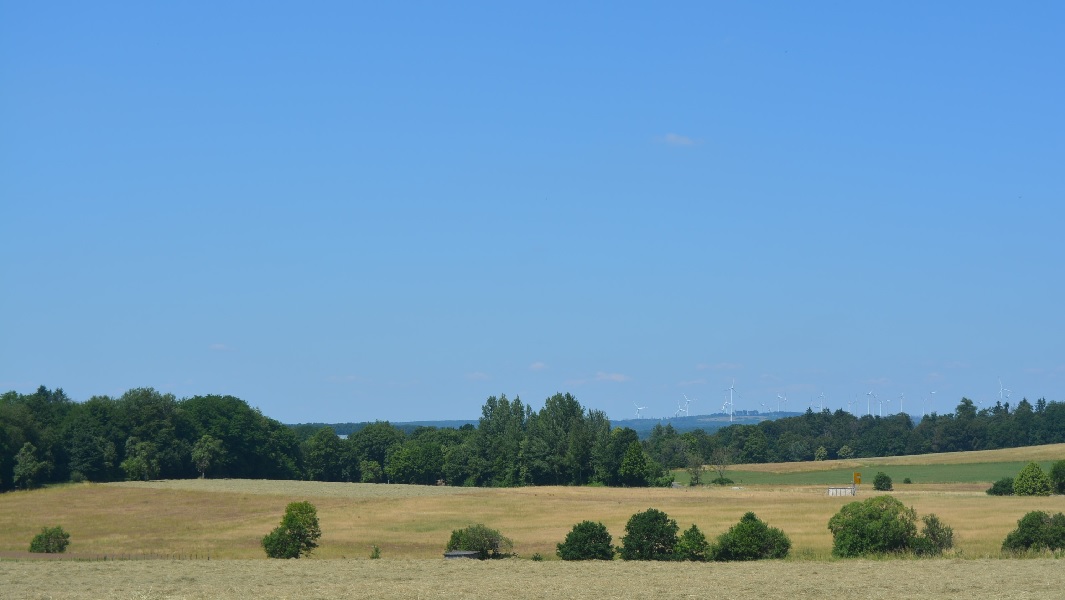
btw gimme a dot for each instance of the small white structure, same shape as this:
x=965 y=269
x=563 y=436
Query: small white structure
x=850 y=490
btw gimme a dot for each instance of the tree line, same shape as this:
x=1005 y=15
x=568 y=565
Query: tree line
x=46 y=437
x=841 y=435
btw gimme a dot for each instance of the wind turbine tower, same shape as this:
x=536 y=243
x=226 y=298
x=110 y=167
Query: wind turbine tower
x=731 y=404
x=1002 y=390
x=638 y=410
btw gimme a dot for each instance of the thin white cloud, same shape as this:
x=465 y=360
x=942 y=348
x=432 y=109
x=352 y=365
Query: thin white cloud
x=538 y=366
x=933 y=377
x=676 y=139
x=477 y=376
x=220 y=347
x=878 y=381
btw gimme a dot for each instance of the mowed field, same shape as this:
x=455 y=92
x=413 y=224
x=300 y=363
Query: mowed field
x=225 y=519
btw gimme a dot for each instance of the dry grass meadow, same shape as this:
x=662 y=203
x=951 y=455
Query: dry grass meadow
x=388 y=579
x=225 y=519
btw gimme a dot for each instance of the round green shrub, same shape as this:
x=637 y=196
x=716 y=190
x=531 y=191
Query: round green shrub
x=692 y=546
x=751 y=539
x=1031 y=481
x=297 y=535
x=487 y=542
x=51 y=540
x=882 y=482
x=587 y=541
x=1002 y=487
x=879 y=525
x=935 y=539
x=649 y=535
x=1037 y=530
x=883 y=525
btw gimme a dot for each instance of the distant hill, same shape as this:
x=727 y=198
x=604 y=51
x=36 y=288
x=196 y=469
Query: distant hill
x=708 y=423
x=642 y=427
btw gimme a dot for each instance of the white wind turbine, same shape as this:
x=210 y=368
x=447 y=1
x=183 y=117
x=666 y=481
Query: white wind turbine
x=1001 y=390
x=822 y=402
x=901 y=396
x=932 y=400
x=638 y=409
x=686 y=403
x=783 y=399
x=730 y=403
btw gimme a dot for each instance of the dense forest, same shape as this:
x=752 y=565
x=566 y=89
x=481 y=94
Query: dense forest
x=45 y=437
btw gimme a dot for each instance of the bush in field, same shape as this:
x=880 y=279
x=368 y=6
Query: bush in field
x=485 y=541
x=935 y=539
x=1031 y=481
x=1002 y=487
x=51 y=540
x=692 y=545
x=649 y=535
x=587 y=541
x=883 y=525
x=1037 y=530
x=882 y=482
x=297 y=535
x=751 y=539
x=1057 y=477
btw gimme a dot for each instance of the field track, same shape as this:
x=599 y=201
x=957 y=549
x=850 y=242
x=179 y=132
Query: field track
x=384 y=579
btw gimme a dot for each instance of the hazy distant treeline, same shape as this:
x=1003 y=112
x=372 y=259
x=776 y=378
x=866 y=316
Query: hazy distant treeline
x=144 y=434
x=840 y=434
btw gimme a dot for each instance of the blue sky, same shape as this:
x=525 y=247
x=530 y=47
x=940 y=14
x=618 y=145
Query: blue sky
x=357 y=211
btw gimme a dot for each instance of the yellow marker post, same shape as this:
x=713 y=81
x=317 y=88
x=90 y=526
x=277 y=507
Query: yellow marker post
x=857 y=478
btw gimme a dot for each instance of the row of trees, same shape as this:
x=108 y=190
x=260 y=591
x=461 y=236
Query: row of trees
x=144 y=434
x=831 y=435
x=561 y=444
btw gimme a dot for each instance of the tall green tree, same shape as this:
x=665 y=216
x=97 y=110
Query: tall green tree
x=30 y=470
x=206 y=453
x=324 y=456
x=634 y=467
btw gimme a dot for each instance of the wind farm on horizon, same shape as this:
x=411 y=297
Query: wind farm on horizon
x=874 y=405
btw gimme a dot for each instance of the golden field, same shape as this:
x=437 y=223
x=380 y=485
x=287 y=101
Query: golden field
x=225 y=519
